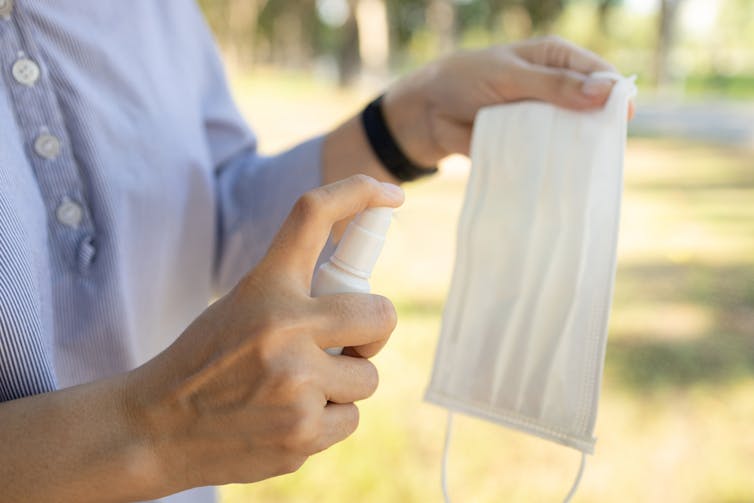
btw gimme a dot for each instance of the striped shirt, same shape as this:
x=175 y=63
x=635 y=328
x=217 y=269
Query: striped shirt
x=131 y=190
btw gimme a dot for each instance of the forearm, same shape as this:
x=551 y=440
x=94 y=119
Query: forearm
x=75 y=445
x=346 y=150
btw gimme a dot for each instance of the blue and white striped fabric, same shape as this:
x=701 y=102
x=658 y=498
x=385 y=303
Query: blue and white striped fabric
x=130 y=187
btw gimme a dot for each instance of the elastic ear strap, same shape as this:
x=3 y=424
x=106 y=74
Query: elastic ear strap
x=445 y=454
x=445 y=449
x=576 y=482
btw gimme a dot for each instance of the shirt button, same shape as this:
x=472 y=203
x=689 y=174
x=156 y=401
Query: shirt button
x=6 y=7
x=69 y=213
x=47 y=145
x=25 y=71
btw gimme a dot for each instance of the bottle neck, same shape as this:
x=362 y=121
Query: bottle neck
x=339 y=264
x=358 y=250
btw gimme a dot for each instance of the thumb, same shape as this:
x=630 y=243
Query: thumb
x=302 y=236
x=563 y=87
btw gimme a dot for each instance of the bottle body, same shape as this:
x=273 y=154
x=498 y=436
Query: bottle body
x=349 y=268
x=331 y=279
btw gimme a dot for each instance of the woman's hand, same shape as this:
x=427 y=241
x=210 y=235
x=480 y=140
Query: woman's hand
x=247 y=392
x=431 y=112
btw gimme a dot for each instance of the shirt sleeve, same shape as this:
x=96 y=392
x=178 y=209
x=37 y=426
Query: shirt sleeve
x=255 y=194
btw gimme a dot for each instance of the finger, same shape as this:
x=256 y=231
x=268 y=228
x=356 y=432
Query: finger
x=559 y=53
x=565 y=88
x=366 y=350
x=353 y=319
x=338 y=229
x=346 y=379
x=338 y=422
x=305 y=231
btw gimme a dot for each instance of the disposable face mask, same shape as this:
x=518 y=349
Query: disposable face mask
x=525 y=324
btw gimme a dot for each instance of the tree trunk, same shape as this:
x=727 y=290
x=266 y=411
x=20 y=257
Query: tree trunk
x=603 y=14
x=348 y=57
x=543 y=13
x=290 y=36
x=374 y=36
x=601 y=34
x=242 y=25
x=665 y=39
x=441 y=20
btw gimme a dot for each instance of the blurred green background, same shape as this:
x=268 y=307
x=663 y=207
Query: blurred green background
x=676 y=420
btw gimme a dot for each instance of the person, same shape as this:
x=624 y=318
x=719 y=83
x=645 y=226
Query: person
x=131 y=192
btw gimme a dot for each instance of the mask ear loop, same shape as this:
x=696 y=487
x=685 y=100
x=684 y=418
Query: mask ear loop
x=445 y=449
x=576 y=482
x=444 y=473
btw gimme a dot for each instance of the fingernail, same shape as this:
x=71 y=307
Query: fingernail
x=393 y=191
x=598 y=86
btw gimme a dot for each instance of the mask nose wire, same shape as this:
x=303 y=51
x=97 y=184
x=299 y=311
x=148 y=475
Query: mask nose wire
x=444 y=473
x=445 y=449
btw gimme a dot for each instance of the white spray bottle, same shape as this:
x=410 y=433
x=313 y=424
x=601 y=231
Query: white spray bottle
x=349 y=268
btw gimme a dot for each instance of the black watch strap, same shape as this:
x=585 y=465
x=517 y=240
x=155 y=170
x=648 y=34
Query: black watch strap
x=386 y=148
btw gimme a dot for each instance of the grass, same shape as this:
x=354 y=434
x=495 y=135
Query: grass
x=677 y=409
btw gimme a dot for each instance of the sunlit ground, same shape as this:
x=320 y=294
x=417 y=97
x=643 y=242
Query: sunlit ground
x=676 y=421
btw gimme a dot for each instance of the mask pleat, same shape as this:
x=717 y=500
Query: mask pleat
x=500 y=255
x=443 y=374
x=546 y=379
x=542 y=234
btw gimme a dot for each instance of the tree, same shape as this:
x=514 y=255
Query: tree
x=347 y=53
x=441 y=21
x=374 y=35
x=665 y=39
x=543 y=13
x=604 y=9
x=242 y=26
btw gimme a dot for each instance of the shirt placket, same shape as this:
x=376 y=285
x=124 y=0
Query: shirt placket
x=47 y=145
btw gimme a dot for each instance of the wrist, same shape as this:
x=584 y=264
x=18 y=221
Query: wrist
x=147 y=425
x=406 y=110
x=385 y=146
x=408 y=113
x=346 y=151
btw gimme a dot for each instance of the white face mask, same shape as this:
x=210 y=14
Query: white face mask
x=525 y=325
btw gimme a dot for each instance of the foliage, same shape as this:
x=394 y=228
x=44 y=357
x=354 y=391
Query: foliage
x=655 y=44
